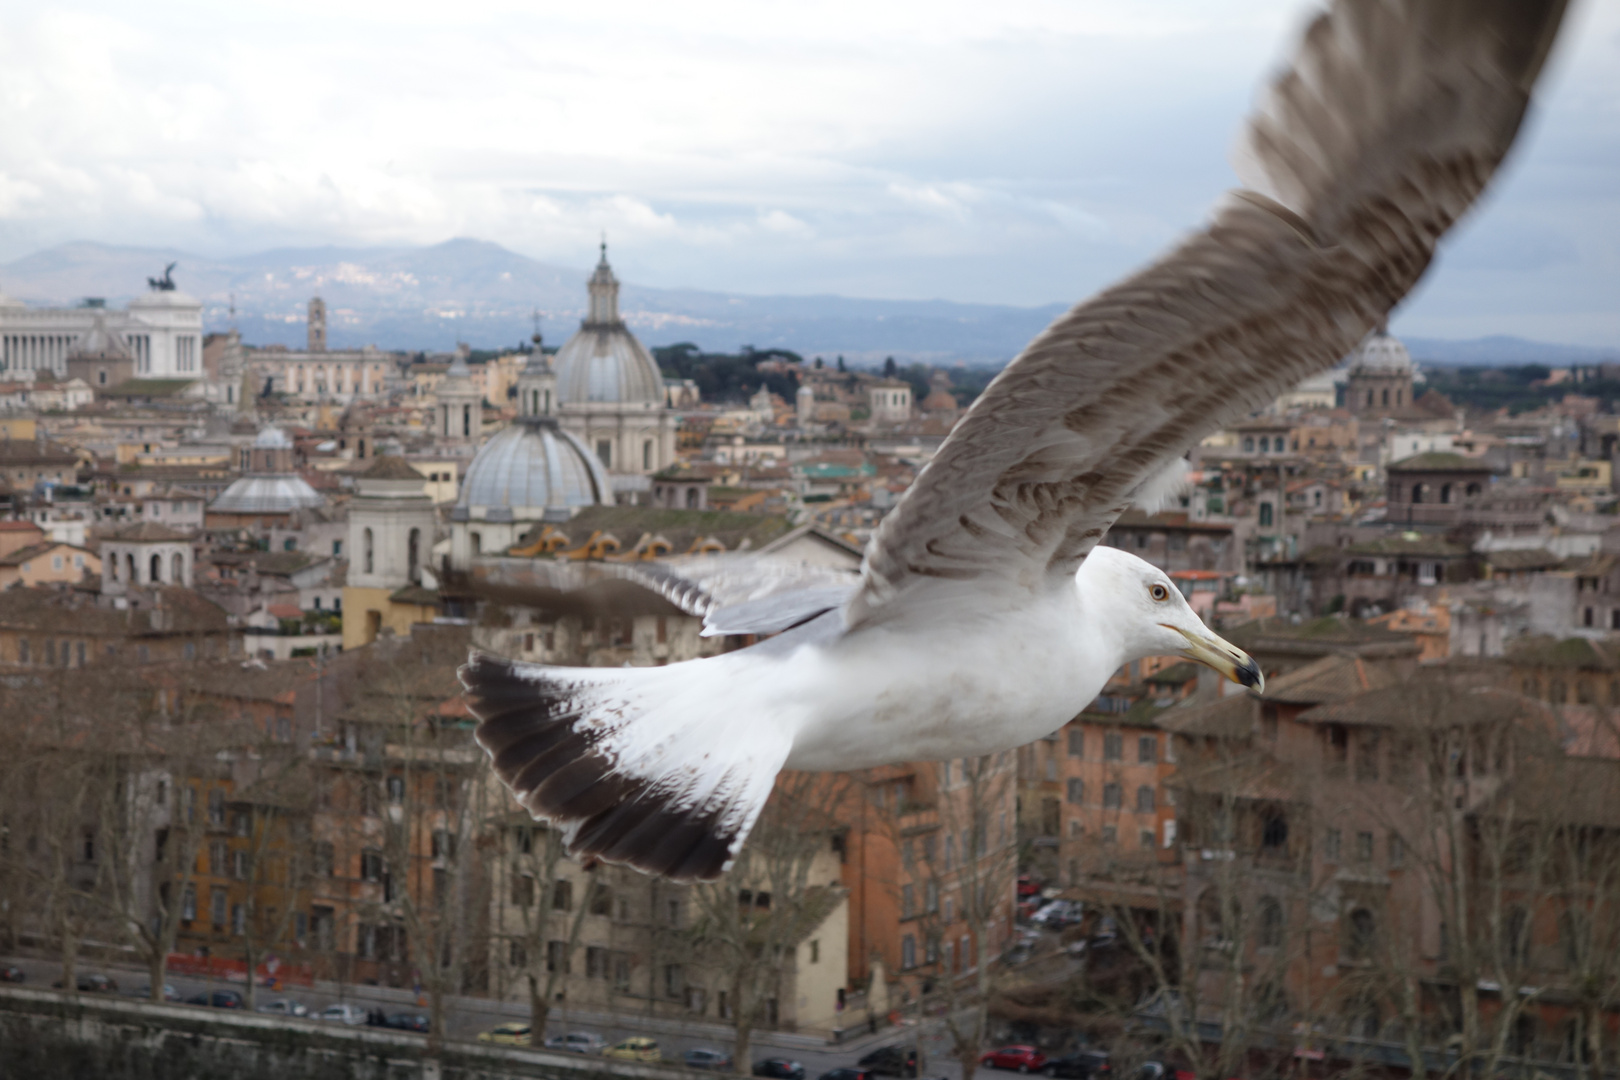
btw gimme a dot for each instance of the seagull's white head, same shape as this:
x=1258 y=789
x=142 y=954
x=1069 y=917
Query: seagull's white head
x=1137 y=601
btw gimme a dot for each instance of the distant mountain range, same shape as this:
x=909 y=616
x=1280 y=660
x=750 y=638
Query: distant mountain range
x=429 y=298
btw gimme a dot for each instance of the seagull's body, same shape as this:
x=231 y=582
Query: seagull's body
x=985 y=615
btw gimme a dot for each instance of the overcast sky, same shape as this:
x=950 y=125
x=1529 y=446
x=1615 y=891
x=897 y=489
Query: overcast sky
x=1016 y=151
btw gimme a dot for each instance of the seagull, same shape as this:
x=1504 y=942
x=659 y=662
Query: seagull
x=986 y=614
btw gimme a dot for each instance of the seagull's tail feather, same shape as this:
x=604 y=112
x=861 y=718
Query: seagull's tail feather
x=642 y=766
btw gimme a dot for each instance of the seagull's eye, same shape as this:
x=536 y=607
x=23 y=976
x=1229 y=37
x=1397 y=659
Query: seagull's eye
x=1159 y=592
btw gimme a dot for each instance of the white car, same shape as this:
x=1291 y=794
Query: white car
x=576 y=1042
x=284 y=1007
x=343 y=1013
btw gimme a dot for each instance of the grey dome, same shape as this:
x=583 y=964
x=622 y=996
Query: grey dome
x=607 y=364
x=1382 y=354
x=279 y=493
x=530 y=465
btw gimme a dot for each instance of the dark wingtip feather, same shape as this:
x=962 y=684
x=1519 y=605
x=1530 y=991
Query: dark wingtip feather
x=528 y=725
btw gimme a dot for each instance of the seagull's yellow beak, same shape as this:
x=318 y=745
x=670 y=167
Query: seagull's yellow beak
x=1209 y=650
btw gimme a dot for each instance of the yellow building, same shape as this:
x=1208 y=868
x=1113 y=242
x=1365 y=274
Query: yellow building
x=47 y=563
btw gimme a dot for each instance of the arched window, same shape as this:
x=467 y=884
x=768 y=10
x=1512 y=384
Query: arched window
x=1471 y=490
x=477 y=543
x=1265 y=515
x=413 y=554
x=112 y=567
x=1271 y=922
x=1265 y=445
x=1369 y=399
x=647 y=454
x=1386 y=397
x=466 y=421
x=368 y=552
x=129 y=562
x=691 y=498
x=1363 y=935
x=1417 y=492
x=157 y=569
x=177 y=569
x=1144 y=800
x=1445 y=493
x=1248 y=444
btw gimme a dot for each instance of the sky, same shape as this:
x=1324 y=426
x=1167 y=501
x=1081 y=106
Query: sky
x=1021 y=151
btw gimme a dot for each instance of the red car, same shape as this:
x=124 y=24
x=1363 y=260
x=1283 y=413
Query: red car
x=1022 y=1058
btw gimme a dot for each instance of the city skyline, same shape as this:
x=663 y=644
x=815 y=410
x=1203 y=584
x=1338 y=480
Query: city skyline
x=977 y=156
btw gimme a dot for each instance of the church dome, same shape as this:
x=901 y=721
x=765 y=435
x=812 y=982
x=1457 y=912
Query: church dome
x=603 y=362
x=1382 y=354
x=531 y=465
x=274 y=493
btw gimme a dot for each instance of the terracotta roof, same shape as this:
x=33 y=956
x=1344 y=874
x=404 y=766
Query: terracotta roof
x=1435 y=701
x=33 y=551
x=1439 y=461
x=149 y=532
x=1204 y=715
x=1573 y=653
x=19 y=526
x=1331 y=678
x=389 y=467
x=75 y=612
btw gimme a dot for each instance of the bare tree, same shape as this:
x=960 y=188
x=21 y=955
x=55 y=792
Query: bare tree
x=745 y=924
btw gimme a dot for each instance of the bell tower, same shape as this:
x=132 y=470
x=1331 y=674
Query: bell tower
x=537 y=385
x=317 y=325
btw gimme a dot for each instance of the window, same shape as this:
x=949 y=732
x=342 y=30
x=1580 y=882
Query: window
x=188 y=904
x=604 y=452
x=522 y=892
x=562 y=896
x=240 y=865
x=1274 y=834
x=557 y=957
x=1265 y=515
x=1144 y=800
x=674 y=980
x=216 y=806
x=1113 y=746
x=908 y=901
x=1397 y=852
x=1362 y=937
x=1113 y=796
x=238 y=919
x=908 y=952
x=1076 y=795
x=396 y=789
x=1077 y=744
x=516 y=955
x=216 y=908
x=602 y=900
x=367 y=551
x=931 y=897
x=322 y=858
x=596 y=962
x=1145 y=838
x=371 y=865
x=1364 y=846
x=1147 y=750
x=1271 y=923
x=1331 y=841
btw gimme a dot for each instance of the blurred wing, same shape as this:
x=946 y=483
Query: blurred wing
x=746 y=594
x=1392 y=118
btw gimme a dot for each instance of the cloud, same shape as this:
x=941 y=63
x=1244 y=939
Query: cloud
x=1026 y=151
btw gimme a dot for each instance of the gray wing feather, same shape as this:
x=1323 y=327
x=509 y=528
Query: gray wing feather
x=1392 y=118
x=746 y=594
x=778 y=612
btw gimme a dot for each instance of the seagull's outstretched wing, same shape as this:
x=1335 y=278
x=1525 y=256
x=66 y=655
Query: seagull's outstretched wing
x=1392 y=118
x=743 y=593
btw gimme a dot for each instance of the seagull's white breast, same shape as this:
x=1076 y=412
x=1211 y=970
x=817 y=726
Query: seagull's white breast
x=942 y=689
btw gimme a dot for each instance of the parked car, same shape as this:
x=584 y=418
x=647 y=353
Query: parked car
x=343 y=1013
x=1057 y=914
x=577 y=1042
x=848 y=1074
x=12 y=973
x=779 y=1069
x=144 y=991
x=510 y=1034
x=891 y=1061
x=1158 y=1070
x=1079 y=1066
x=92 y=983
x=219 y=999
x=1027 y=886
x=406 y=1021
x=1017 y=1058
x=635 y=1048
x=702 y=1057
x=284 y=1007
